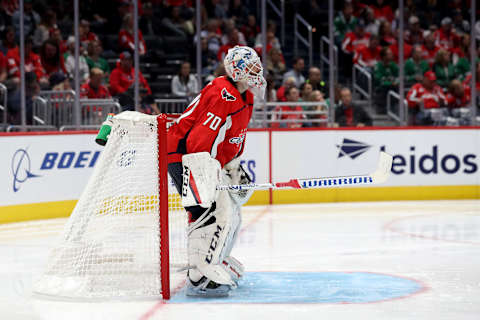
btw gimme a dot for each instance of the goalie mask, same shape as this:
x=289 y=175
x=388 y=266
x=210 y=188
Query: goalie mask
x=243 y=64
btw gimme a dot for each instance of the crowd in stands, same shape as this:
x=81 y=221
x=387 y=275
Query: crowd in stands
x=436 y=53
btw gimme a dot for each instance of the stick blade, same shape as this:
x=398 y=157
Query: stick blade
x=383 y=169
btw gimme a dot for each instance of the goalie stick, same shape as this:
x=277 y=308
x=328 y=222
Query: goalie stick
x=380 y=175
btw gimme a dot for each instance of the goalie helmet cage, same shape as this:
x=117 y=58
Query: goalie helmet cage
x=127 y=232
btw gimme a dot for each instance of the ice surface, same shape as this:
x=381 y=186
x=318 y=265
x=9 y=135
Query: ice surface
x=383 y=260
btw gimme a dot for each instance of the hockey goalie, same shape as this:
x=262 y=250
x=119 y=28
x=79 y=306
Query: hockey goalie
x=204 y=146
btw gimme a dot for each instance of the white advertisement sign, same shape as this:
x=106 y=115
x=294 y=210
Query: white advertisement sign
x=42 y=168
x=420 y=157
x=255 y=156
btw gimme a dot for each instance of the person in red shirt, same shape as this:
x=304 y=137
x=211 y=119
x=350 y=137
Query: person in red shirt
x=215 y=123
x=385 y=33
x=382 y=11
x=429 y=49
x=468 y=82
x=414 y=35
x=287 y=84
x=94 y=88
x=51 y=57
x=457 y=97
x=32 y=63
x=427 y=94
x=126 y=41
x=445 y=37
x=86 y=36
x=291 y=113
x=407 y=51
x=368 y=56
x=355 y=39
x=123 y=76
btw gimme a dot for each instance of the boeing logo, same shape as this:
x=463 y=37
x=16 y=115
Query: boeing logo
x=351 y=148
x=21 y=168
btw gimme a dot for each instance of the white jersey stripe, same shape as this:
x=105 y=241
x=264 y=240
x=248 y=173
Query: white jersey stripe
x=221 y=136
x=189 y=112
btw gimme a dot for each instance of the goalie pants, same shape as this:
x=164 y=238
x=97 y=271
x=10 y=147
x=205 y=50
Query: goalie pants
x=175 y=170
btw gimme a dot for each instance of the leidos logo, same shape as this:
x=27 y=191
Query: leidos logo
x=351 y=148
x=433 y=162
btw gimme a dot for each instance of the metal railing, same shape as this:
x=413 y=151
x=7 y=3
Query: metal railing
x=393 y=112
x=94 y=111
x=297 y=36
x=13 y=128
x=268 y=114
x=324 y=59
x=281 y=14
x=175 y=105
x=3 y=105
x=358 y=82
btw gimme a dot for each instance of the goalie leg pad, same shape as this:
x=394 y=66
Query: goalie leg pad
x=235 y=174
x=210 y=241
x=201 y=175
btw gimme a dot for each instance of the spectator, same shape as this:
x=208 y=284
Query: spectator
x=32 y=88
x=296 y=72
x=382 y=11
x=460 y=26
x=415 y=67
x=287 y=84
x=317 y=96
x=94 y=88
x=468 y=80
x=353 y=40
x=372 y=25
x=445 y=37
x=123 y=76
x=176 y=24
x=294 y=114
x=8 y=40
x=427 y=94
x=315 y=79
x=345 y=22
x=5 y=18
x=219 y=71
x=3 y=68
x=215 y=9
x=250 y=30
x=457 y=96
x=305 y=91
x=94 y=59
x=209 y=59
x=368 y=56
x=228 y=26
x=59 y=82
x=30 y=19
x=56 y=35
x=185 y=84
x=271 y=93
x=385 y=34
x=213 y=36
x=429 y=49
x=443 y=68
x=233 y=41
x=42 y=33
x=348 y=114
x=414 y=34
x=238 y=10
x=461 y=57
x=275 y=64
x=272 y=40
x=86 y=36
x=407 y=51
x=385 y=77
x=69 y=57
x=32 y=63
x=126 y=41
x=51 y=57
x=149 y=23
x=115 y=21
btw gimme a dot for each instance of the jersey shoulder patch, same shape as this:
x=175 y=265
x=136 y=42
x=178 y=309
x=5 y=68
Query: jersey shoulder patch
x=227 y=96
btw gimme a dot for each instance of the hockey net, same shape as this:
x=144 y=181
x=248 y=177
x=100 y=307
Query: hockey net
x=127 y=233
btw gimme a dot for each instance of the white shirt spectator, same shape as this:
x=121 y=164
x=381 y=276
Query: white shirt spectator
x=182 y=89
x=299 y=78
x=83 y=70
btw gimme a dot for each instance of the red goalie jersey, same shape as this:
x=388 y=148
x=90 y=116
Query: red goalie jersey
x=215 y=121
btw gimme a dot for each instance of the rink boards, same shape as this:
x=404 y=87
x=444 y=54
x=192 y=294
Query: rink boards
x=42 y=175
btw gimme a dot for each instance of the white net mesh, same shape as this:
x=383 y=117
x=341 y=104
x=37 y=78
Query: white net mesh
x=110 y=247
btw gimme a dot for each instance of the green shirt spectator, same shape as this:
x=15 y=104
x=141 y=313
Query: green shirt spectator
x=415 y=67
x=94 y=59
x=344 y=22
x=443 y=68
x=386 y=71
x=462 y=68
